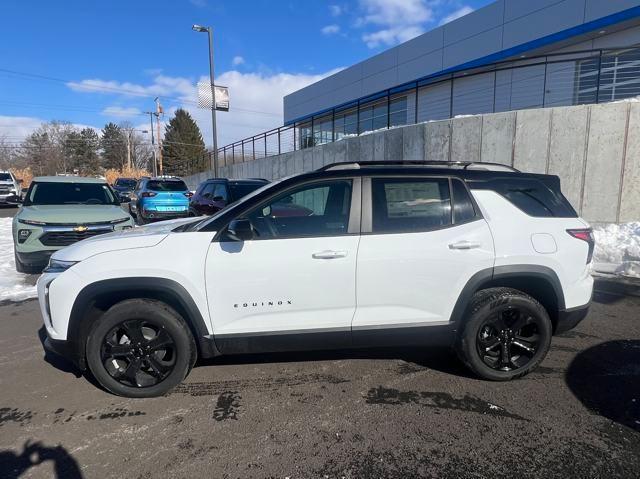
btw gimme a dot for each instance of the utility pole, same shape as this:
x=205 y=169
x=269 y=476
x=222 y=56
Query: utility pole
x=153 y=145
x=129 y=149
x=158 y=112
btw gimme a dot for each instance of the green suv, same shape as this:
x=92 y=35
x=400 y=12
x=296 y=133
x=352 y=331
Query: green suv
x=60 y=210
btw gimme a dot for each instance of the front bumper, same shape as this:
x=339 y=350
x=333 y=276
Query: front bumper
x=65 y=350
x=35 y=259
x=11 y=199
x=570 y=318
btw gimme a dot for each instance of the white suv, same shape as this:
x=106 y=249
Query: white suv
x=10 y=188
x=479 y=257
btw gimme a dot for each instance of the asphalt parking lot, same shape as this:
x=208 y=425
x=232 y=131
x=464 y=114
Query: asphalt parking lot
x=365 y=414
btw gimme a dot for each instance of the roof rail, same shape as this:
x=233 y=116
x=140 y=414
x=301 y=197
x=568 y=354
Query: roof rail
x=462 y=164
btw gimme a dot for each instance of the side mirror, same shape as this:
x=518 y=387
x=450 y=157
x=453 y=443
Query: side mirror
x=240 y=230
x=218 y=199
x=125 y=199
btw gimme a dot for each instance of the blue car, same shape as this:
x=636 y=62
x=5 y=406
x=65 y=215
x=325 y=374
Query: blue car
x=159 y=198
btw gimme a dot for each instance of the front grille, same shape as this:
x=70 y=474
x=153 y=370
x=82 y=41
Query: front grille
x=4 y=190
x=65 y=238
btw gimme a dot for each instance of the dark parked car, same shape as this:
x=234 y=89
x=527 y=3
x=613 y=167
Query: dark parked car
x=214 y=194
x=124 y=187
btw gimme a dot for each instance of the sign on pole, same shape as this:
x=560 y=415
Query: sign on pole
x=205 y=98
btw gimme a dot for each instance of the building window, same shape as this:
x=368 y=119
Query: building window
x=373 y=116
x=398 y=111
x=619 y=77
x=306 y=137
x=346 y=123
x=322 y=130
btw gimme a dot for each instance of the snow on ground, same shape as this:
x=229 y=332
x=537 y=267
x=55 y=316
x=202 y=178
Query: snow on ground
x=617 y=249
x=13 y=286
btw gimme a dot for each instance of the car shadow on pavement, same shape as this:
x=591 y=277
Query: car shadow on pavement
x=606 y=379
x=14 y=464
x=417 y=359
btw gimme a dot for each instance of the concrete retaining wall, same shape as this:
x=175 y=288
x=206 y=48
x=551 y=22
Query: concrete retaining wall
x=594 y=149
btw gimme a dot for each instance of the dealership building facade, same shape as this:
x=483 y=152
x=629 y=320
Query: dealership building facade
x=509 y=55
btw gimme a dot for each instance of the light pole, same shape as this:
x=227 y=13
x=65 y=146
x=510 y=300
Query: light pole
x=200 y=28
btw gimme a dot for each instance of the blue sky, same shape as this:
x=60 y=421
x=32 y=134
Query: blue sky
x=106 y=61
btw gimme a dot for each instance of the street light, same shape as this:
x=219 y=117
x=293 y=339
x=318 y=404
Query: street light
x=201 y=29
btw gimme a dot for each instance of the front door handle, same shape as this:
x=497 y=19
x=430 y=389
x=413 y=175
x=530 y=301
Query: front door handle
x=465 y=245
x=328 y=254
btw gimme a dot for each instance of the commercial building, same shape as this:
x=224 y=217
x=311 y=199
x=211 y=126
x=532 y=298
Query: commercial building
x=509 y=55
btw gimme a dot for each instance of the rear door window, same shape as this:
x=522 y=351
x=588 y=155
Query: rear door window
x=410 y=204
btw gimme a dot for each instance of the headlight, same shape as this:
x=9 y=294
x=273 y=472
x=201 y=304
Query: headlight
x=58 y=266
x=32 y=222
x=120 y=220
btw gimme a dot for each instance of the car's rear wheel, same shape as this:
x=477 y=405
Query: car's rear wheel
x=140 y=348
x=507 y=334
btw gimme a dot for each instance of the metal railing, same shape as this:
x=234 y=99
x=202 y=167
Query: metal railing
x=557 y=79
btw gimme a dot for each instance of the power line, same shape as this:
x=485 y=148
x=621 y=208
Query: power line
x=105 y=88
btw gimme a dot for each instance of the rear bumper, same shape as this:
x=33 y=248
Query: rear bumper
x=153 y=214
x=570 y=318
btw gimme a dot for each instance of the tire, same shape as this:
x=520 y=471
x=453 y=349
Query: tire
x=140 y=369
x=506 y=336
x=25 y=268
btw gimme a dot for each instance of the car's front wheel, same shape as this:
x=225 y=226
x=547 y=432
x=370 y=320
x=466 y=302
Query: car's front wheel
x=140 y=348
x=507 y=334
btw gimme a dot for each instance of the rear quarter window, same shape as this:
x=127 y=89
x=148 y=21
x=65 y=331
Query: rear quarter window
x=532 y=196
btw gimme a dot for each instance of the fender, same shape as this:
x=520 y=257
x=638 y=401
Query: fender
x=118 y=289
x=490 y=276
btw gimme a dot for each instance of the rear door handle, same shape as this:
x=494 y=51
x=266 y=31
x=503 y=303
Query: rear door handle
x=465 y=245
x=329 y=254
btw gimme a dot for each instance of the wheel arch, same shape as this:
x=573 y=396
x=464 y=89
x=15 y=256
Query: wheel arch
x=539 y=282
x=96 y=298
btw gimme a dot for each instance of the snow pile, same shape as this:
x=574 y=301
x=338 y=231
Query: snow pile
x=13 y=286
x=617 y=249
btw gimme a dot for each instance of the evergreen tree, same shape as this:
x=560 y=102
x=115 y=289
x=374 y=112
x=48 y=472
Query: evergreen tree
x=114 y=148
x=83 y=146
x=183 y=148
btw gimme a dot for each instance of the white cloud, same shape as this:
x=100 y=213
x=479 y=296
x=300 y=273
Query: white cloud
x=237 y=60
x=335 y=10
x=461 y=12
x=121 y=112
x=256 y=99
x=17 y=128
x=330 y=29
x=397 y=20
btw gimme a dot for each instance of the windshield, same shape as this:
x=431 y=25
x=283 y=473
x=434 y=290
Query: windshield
x=173 y=185
x=125 y=183
x=70 y=194
x=238 y=190
x=5 y=177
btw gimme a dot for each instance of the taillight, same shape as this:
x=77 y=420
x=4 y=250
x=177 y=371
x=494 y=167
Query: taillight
x=148 y=194
x=188 y=194
x=585 y=234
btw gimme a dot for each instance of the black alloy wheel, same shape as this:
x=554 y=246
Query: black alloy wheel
x=140 y=348
x=505 y=335
x=137 y=353
x=509 y=339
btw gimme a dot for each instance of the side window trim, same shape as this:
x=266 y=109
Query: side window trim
x=476 y=207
